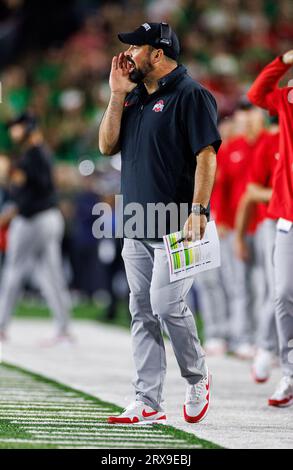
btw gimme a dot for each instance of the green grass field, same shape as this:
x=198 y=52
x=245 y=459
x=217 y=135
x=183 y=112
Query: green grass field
x=36 y=309
x=37 y=413
x=87 y=311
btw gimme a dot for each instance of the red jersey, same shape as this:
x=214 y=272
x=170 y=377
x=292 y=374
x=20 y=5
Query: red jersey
x=234 y=172
x=265 y=93
x=3 y=239
x=264 y=165
x=219 y=190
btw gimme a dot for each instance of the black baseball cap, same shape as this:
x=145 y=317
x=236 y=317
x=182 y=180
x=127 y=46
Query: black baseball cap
x=27 y=118
x=157 y=35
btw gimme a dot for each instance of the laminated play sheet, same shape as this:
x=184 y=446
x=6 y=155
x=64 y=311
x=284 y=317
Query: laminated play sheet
x=187 y=259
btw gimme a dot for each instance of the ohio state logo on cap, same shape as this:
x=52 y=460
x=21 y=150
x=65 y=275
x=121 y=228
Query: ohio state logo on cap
x=159 y=106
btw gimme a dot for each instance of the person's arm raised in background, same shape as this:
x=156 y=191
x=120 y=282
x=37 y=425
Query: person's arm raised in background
x=264 y=92
x=120 y=86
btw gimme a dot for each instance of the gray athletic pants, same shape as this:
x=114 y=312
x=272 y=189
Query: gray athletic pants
x=232 y=291
x=248 y=291
x=35 y=241
x=283 y=261
x=157 y=304
x=266 y=331
x=215 y=296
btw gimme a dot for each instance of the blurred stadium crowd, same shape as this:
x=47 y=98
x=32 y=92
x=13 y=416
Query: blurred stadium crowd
x=55 y=60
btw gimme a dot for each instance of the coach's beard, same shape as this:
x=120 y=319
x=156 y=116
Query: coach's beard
x=138 y=75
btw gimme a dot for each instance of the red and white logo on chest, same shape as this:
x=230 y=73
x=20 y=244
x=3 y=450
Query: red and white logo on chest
x=159 y=106
x=236 y=156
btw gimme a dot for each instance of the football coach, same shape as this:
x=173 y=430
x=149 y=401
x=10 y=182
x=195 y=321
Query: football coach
x=165 y=126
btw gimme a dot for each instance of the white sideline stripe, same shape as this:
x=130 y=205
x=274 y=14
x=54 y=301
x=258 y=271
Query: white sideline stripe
x=23 y=378
x=40 y=416
x=84 y=441
x=56 y=405
x=94 y=429
x=124 y=437
x=91 y=427
x=72 y=417
x=28 y=397
x=91 y=431
x=95 y=434
x=36 y=387
x=51 y=397
x=109 y=437
x=51 y=402
x=59 y=422
x=59 y=407
x=58 y=414
x=56 y=419
x=14 y=377
x=54 y=409
x=27 y=382
x=36 y=392
x=20 y=389
x=133 y=446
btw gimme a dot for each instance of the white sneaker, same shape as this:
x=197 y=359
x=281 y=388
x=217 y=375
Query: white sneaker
x=283 y=395
x=197 y=400
x=139 y=413
x=215 y=347
x=262 y=366
x=245 y=351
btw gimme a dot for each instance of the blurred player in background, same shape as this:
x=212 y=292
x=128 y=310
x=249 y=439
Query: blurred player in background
x=215 y=285
x=266 y=94
x=258 y=193
x=4 y=197
x=237 y=158
x=36 y=228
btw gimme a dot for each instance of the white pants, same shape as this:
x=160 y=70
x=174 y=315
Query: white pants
x=266 y=329
x=214 y=289
x=35 y=242
x=283 y=261
x=247 y=291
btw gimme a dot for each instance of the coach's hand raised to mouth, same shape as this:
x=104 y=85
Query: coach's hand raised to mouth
x=119 y=77
x=121 y=85
x=288 y=57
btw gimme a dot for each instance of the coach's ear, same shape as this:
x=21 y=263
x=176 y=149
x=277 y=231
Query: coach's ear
x=157 y=55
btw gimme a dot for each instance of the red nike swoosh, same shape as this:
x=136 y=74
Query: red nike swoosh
x=145 y=414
